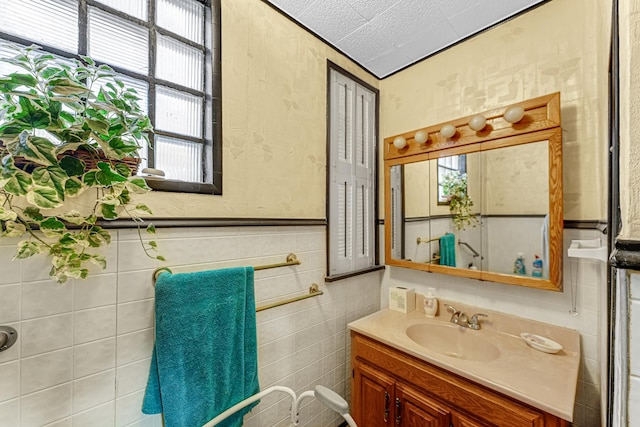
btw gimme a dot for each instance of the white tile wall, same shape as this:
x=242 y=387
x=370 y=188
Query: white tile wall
x=84 y=348
x=589 y=277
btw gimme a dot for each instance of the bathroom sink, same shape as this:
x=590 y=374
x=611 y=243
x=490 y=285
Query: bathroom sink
x=453 y=341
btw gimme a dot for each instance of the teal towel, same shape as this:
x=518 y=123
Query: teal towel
x=448 y=250
x=205 y=356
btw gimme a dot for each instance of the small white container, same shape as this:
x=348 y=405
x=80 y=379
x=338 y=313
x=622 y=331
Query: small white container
x=430 y=303
x=402 y=299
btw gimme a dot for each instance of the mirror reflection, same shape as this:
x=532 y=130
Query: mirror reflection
x=515 y=210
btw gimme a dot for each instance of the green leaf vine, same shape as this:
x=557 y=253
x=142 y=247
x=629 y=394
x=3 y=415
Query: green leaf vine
x=57 y=116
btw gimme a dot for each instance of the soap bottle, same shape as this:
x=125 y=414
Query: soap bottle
x=536 y=271
x=430 y=303
x=518 y=266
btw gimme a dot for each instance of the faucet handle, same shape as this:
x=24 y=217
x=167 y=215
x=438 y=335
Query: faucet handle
x=455 y=314
x=474 y=322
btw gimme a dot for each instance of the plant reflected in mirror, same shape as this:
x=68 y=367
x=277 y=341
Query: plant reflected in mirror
x=454 y=189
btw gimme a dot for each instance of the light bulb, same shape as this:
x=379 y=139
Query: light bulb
x=399 y=142
x=421 y=136
x=514 y=114
x=448 y=131
x=477 y=122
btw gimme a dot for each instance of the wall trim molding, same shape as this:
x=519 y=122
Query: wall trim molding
x=215 y=222
x=579 y=224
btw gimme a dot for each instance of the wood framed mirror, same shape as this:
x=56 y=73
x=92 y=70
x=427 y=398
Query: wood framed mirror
x=485 y=204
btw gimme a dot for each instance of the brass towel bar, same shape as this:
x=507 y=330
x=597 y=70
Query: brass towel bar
x=292 y=259
x=423 y=240
x=314 y=290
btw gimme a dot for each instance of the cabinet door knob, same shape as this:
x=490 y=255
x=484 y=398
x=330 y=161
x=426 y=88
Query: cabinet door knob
x=398 y=414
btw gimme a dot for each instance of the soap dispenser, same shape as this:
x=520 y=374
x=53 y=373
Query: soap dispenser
x=430 y=303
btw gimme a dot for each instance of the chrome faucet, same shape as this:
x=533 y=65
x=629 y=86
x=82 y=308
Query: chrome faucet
x=460 y=318
x=474 y=322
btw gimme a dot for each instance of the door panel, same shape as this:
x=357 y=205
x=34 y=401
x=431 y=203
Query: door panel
x=417 y=410
x=376 y=396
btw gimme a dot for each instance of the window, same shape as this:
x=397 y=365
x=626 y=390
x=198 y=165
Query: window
x=352 y=175
x=447 y=168
x=161 y=48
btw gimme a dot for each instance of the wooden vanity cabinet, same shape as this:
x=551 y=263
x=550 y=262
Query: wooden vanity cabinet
x=392 y=388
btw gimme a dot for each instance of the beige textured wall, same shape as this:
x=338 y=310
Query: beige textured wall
x=274 y=120
x=629 y=118
x=560 y=46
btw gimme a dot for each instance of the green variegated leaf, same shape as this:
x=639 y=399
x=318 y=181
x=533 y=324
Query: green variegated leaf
x=65 y=86
x=108 y=211
x=52 y=223
x=7 y=215
x=13 y=229
x=140 y=208
x=32 y=214
x=67 y=240
x=73 y=217
x=110 y=199
x=102 y=127
x=99 y=260
x=122 y=148
x=89 y=178
x=45 y=198
x=125 y=197
x=51 y=177
x=72 y=166
x=151 y=229
x=69 y=146
x=22 y=79
x=18 y=184
x=153 y=244
x=98 y=236
x=31 y=113
x=73 y=187
x=52 y=227
x=123 y=169
x=107 y=176
x=37 y=149
x=138 y=185
x=160 y=258
x=27 y=248
x=67 y=118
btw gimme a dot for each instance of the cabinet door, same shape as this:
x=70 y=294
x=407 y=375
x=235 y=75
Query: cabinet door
x=459 y=420
x=373 y=397
x=414 y=409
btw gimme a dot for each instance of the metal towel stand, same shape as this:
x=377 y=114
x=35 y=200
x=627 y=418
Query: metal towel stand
x=326 y=396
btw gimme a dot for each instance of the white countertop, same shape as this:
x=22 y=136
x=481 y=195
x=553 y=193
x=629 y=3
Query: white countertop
x=544 y=381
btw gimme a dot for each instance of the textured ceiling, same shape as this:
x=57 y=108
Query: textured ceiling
x=385 y=36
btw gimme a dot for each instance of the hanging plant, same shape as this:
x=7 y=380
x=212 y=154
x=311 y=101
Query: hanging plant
x=68 y=127
x=454 y=188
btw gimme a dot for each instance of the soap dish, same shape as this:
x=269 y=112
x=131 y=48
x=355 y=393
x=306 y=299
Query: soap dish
x=541 y=343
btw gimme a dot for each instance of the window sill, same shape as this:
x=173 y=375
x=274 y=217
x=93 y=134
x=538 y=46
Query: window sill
x=182 y=186
x=336 y=277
